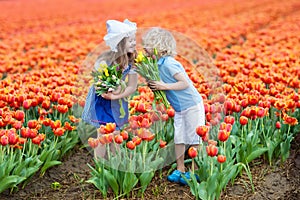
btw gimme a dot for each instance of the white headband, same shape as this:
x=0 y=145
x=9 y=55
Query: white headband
x=116 y=31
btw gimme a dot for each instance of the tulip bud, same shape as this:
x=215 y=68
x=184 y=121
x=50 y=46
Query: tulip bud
x=243 y=120
x=4 y=140
x=212 y=150
x=202 y=130
x=130 y=145
x=162 y=143
x=118 y=139
x=221 y=158
x=278 y=125
x=192 y=152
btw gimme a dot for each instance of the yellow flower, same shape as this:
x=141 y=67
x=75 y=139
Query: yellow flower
x=106 y=72
x=99 y=77
x=140 y=57
x=155 y=51
x=102 y=66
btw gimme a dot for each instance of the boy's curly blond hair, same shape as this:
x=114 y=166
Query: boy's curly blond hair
x=160 y=39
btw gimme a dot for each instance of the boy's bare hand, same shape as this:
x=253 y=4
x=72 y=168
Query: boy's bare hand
x=156 y=85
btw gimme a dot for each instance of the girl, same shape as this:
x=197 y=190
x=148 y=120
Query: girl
x=104 y=109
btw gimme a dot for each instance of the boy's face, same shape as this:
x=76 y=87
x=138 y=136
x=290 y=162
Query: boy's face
x=148 y=51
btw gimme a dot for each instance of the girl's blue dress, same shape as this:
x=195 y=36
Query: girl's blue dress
x=98 y=110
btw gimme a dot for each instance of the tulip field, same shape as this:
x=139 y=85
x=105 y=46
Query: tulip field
x=252 y=105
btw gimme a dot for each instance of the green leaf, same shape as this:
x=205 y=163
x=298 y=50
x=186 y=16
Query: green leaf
x=99 y=184
x=145 y=179
x=202 y=190
x=130 y=180
x=212 y=183
x=10 y=181
x=255 y=154
x=49 y=164
x=111 y=181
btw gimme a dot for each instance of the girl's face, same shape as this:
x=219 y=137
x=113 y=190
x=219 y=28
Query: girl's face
x=130 y=44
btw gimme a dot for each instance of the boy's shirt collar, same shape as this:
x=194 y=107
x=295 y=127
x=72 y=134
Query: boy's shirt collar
x=161 y=60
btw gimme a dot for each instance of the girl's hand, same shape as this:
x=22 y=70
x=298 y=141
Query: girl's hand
x=117 y=90
x=109 y=96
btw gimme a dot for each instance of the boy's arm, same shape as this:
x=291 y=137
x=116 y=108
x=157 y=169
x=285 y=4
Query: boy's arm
x=181 y=83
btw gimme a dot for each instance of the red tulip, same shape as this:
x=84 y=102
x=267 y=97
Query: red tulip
x=137 y=141
x=32 y=124
x=261 y=112
x=162 y=143
x=130 y=145
x=4 y=140
x=278 y=125
x=145 y=123
x=223 y=135
x=19 y=115
x=55 y=124
x=211 y=150
x=141 y=107
x=27 y=104
x=221 y=158
x=110 y=127
x=36 y=140
x=93 y=142
x=32 y=133
x=243 y=120
x=101 y=129
x=62 y=108
x=17 y=125
x=124 y=134
x=59 y=131
x=171 y=112
x=229 y=119
x=118 y=139
x=192 y=152
x=13 y=138
x=202 y=130
x=164 y=117
x=108 y=138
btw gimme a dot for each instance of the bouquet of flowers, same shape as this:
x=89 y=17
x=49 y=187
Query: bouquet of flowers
x=108 y=79
x=147 y=67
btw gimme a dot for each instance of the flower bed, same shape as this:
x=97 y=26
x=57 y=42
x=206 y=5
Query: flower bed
x=257 y=115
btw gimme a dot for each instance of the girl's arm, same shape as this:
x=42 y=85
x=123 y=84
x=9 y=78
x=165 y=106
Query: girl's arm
x=181 y=83
x=131 y=87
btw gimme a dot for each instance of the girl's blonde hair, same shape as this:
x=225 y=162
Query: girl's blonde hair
x=160 y=39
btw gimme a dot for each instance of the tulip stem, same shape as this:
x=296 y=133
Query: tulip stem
x=211 y=166
x=193 y=166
